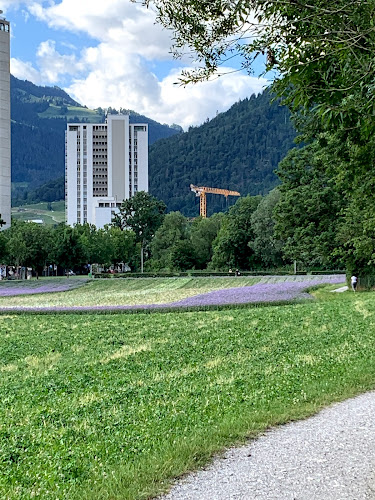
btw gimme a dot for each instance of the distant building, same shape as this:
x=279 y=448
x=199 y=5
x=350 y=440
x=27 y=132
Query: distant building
x=5 y=156
x=104 y=164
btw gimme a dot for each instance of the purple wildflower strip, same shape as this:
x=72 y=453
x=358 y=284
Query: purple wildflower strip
x=286 y=290
x=8 y=289
x=260 y=292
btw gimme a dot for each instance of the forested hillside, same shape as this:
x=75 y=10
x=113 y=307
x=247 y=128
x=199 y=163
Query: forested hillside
x=39 y=118
x=237 y=150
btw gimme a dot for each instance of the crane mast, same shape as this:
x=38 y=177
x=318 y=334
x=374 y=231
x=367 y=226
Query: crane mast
x=201 y=192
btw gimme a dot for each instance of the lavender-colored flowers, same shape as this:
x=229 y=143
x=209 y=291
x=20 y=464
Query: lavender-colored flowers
x=9 y=288
x=261 y=292
x=269 y=289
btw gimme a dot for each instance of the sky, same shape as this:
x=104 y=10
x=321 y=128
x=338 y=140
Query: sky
x=112 y=53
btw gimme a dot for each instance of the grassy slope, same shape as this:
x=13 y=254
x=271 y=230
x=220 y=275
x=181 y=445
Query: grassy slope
x=110 y=407
x=73 y=111
x=40 y=211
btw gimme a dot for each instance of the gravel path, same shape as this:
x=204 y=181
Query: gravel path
x=330 y=456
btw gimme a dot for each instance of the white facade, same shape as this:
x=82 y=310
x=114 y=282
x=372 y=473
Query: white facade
x=105 y=163
x=5 y=153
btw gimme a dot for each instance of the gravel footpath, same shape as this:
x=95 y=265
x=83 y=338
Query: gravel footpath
x=330 y=456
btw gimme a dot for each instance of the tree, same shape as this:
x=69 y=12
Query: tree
x=307 y=214
x=265 y=243
x=144 y=214
x=29 y=244
x=231 y=247
x=322 y=51
x=122 y=244
x=203 y=234
x=174 y=232
x=182 y=255
x=68 y=250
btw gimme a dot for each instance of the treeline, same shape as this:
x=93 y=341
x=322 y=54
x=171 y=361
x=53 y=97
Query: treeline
x=253 y=235
x=36 y=246
x=326 y=213
x=53 y=190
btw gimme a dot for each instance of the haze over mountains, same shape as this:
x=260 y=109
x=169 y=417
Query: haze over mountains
x=238 y=149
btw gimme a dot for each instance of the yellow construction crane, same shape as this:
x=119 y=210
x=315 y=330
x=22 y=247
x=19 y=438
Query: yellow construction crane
x=201 y=192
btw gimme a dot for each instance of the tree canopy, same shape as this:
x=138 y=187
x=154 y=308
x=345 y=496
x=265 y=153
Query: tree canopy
x=321 y=51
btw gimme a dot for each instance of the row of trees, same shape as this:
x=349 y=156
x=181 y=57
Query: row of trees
x=307 y=219
x=37 y=246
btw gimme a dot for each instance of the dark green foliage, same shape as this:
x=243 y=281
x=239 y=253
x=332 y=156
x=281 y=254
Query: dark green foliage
x=143 y=214
x=265 y=244
x=69 y=250
x=203 y=234
x=35 y=245
x=53 y=190
x=237 y=150
x=171 y=247
x=182 y=255
x=307 y=215
x=28 y=244
x=231 y=247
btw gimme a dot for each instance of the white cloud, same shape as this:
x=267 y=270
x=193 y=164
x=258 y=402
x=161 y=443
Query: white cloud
x=117 y=22
x=192 y=104
x=164 y=101
x=7 y=5
x=24 y=71
x=115 y=70
x=53 y=65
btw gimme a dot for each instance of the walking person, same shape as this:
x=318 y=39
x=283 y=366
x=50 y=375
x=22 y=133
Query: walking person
x=354 y=281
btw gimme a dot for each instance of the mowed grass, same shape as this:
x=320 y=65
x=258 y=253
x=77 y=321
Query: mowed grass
x=113 y=407
x=127 y=292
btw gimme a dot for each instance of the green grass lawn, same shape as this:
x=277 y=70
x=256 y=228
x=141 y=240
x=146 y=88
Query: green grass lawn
x=113 y=407
x=40 y=211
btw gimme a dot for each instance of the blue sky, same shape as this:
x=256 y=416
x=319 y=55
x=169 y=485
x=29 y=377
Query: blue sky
x=111 y=53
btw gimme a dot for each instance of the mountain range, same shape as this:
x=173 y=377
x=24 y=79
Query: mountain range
x=238 y=149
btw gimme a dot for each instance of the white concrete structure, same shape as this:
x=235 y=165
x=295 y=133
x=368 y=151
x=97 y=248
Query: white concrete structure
x=5 y=156
x=105 y=163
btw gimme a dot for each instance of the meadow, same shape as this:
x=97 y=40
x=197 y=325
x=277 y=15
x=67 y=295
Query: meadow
x=40 y=211
x=146 y=291
x=114 y=406
x=125 y=291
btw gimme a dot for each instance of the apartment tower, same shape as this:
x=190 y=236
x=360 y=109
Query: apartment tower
x=105 y=163
x=5 y=154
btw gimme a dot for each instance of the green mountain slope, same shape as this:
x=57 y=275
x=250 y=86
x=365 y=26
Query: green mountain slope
x=237 y=150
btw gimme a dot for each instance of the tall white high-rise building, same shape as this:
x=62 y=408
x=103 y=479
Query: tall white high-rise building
x=5 y=156
x=105 y=163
